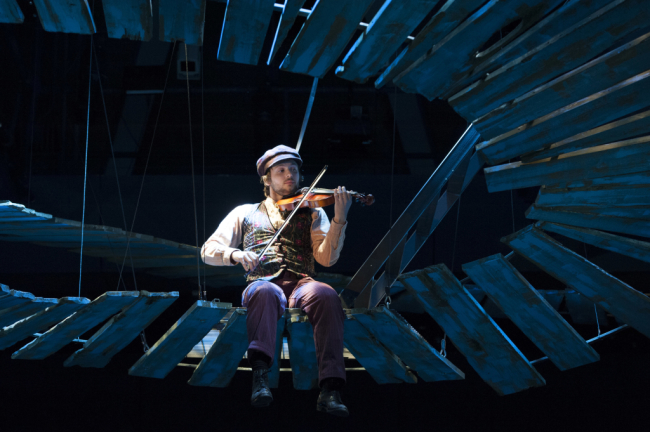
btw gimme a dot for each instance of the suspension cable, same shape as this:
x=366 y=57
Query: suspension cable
x=203 y=163
x=196 y=226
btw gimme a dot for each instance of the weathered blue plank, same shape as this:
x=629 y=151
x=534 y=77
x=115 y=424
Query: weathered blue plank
x=382 y=365
x=4 y=290
x=387 y=31
x=588 y=220
x=603 y=72
x=529 y=311
x=597 y=196
x=10 y=12
x=452 y=13
x=23 y=310
x=128 y=20
x=288 y=17
x=596 y=110
x=600 y=287
x=392 y=331
x=181 y=20
x=606 y=160
x=72 y=327
x=302 y=353
x=14 y=298
x=220 y=363
x=120 y=330
x=623 y=245
x=628 y=127
x=562 y=53
x=490 y=352
x=244 y=29
x=629 y=212
x=65 y=16
x=274 y=372
x=552 y=24
x=40 y=321
x=172 y=347
x=323 y=37
x=456 y=55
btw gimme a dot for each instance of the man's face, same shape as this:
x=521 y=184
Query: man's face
x=283 y=179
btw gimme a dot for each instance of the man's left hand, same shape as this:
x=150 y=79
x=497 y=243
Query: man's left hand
x=342 y=203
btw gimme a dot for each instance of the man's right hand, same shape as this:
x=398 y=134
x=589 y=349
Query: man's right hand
x=248 y=260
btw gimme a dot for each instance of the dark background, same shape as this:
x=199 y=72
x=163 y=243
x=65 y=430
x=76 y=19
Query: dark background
x=382 y=142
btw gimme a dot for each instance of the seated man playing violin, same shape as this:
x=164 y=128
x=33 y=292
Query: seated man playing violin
x=286 y=271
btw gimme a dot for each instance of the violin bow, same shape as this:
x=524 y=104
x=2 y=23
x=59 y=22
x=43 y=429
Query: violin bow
x=286 y=221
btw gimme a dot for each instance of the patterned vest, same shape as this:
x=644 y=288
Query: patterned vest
x=292 y=251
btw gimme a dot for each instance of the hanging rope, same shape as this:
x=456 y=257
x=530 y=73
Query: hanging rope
x=453 y=255
x=512 y=209
x=196 y=224
x=205 y=295
x=144 y=174
x=83 y=212
x=392 y=179
x=117 y=179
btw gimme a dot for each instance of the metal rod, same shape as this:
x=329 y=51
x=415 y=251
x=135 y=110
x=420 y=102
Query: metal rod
x=616 y=330
x=307 y=113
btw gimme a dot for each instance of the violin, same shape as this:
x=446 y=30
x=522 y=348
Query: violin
x=319 y=197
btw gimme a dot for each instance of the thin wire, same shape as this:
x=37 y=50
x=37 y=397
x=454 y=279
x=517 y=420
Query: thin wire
x=83 y=214
x=144 y=174
x=203 y=162
x=512 y=209
x=196 y=224
x=392 y=178
x=117 y=179
x=453 y=255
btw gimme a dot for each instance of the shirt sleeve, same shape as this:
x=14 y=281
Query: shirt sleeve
x=326 y=239
x=219 y=247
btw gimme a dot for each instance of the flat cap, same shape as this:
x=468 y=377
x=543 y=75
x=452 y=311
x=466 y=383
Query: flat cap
x=275 y=155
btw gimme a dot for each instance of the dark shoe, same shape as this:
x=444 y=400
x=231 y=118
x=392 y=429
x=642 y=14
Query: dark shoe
x=261 y=396
x=330 y=402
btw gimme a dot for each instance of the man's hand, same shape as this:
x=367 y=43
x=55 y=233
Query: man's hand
x=248 y=260
x=342 y=203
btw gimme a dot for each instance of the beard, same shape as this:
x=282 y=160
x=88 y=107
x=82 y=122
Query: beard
x=285 y=190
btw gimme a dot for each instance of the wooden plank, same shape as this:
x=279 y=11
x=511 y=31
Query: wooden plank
x=179 y=340
x=616 y=297
x=289 y=14
x=588 y=220
x=629 y=212
x=600 y=108
x=65 y=16
x=23 y=310
x=40 y=321
x=456 y=55
x=75 y=325
x=552 y=24
x=4 y=290
x=220 y=363
x=244 y=28
x=529 y=311
x=622 y=158
x=628 y=127
x=452 y=13
x=603 y=72
x=13 y=298
x=181 y=20
x=323 y=37
x=302 y=353
x=382 y=365
x=387 y=31
x=274 y=372
x=490 y=352
x=128 y=20
x=393 y=332
x=120 y=330
x=10 y=12
x=611 y=242
x=564 y=52
x=595 y=196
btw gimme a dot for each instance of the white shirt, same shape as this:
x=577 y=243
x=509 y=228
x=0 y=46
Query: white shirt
x=326 y=239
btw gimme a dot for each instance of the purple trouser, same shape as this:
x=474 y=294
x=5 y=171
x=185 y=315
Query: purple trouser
x=266 y=301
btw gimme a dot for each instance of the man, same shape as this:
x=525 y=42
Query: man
x=286 y=272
